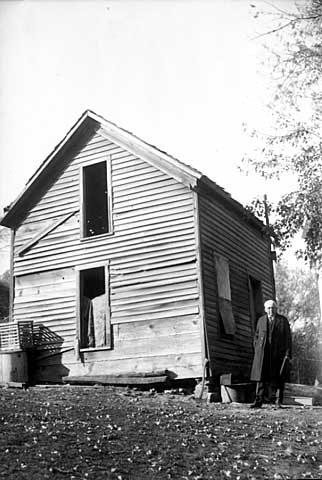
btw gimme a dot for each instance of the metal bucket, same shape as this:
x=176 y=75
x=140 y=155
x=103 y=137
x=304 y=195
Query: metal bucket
x=13 y=366
x=238 y=392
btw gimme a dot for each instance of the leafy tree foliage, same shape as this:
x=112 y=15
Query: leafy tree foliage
x=298 y=299
x=295 y=146
x=306 y=364
x=297 y=295
x=4 y=299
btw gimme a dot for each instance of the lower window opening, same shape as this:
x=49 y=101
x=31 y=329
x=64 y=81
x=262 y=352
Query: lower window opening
x=94 y=322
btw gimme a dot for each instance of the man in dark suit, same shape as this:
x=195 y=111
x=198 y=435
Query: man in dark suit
x=272 y=352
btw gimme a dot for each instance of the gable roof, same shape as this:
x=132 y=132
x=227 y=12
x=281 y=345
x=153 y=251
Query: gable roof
x=90 y=123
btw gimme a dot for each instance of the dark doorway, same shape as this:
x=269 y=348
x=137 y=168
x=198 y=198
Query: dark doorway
x=255 y=300
x=95 y=331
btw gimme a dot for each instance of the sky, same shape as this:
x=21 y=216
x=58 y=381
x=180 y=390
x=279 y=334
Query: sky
x=182 y=75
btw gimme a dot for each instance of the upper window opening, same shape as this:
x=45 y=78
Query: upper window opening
x=96 y=213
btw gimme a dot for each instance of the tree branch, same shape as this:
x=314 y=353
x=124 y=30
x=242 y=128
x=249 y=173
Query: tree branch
x=294 y=19
x=281 y=27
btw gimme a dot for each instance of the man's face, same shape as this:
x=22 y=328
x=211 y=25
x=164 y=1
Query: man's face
x=270 y=309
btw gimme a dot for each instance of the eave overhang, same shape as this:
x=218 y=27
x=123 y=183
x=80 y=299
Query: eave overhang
x=88 y=124
x=210 y=188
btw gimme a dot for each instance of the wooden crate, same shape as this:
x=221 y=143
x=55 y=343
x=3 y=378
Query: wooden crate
x=16 y=335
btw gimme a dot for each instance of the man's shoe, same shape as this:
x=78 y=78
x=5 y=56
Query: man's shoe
x=256 y=404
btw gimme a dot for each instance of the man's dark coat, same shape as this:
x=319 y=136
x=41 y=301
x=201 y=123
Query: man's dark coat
x=281 y=344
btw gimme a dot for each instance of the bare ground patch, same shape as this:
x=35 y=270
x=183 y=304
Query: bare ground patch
x=118 y=433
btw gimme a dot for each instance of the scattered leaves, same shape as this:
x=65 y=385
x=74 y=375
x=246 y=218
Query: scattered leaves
x=102 y=433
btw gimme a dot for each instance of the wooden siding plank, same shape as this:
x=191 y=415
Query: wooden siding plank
x=129 y=182
x=32 y=303
x=125 y=161
x=152 y=278
x=45 y=302
x=183 y=366
x=181 y=216
x=43 y=233
x=39 y=279
x=27 y=231
x=151 y=202
x=104 y=148
x=161 y=303
x=158 y=182
x=129 y=174
x=143 y=252
x=57 y=205
x=52 y=212
x=63 y=263
x=149 y=232
x=93 y=157
x=122 y=243
x=144 y=329
x=54 y=204
x=158 y=296
x=43 y=298
x=167 y=344
x=69 y=175
x=156 y=206
x=62 y=313
x=67 y=328
x=65 y=192
x=151 y=192
x=42 y=290
x=150 y=213
x=182 y=268
x=57 y=317
x=159 y=314
x=224 y=217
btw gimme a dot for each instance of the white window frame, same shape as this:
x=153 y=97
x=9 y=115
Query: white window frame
x=78 y=270
x=109 y=199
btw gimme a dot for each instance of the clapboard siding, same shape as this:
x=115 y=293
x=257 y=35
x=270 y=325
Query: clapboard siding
x=225 y=232
x=166 y=224
x=143 y=257
x=137 y=241
x=144 y=285
x=49 y=300
x=51 y=369
x=154 y=269
x=152 y=262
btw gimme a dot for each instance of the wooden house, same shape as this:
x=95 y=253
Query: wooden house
x=130 y=262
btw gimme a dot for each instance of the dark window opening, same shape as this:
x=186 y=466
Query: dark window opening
x=255 y=300
x=226 y=315
x=94 y=318
x=95 y=200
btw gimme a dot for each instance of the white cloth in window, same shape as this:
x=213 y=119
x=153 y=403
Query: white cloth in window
x=99 y=318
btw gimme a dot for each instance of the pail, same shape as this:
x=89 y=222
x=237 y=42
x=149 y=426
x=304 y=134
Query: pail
x=238 y=392
x=13 y=366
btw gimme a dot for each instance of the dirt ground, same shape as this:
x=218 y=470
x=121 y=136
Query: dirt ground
x=66 y=432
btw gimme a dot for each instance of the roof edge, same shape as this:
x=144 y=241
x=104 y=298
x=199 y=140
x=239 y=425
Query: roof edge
x=127 y=136
x=10 y=210
x=211 y=186
x=118 y=132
